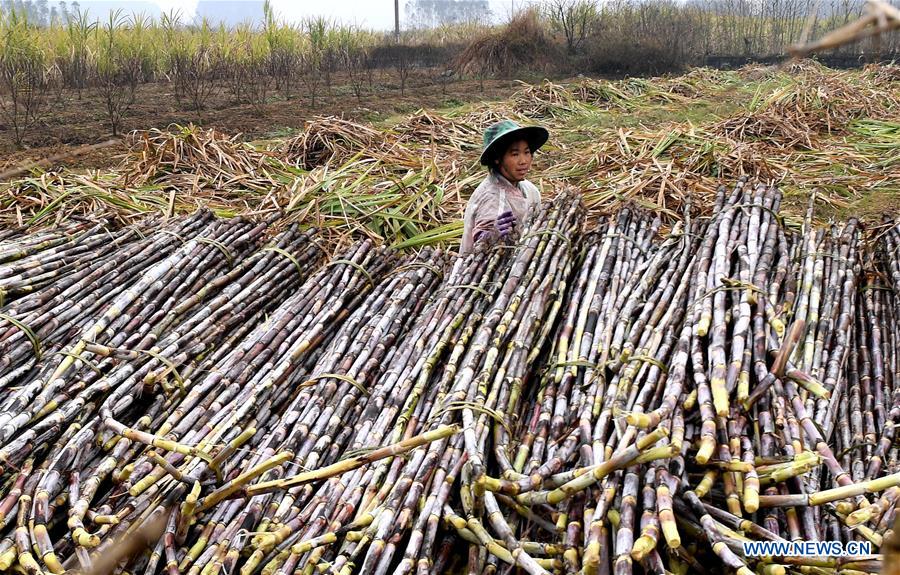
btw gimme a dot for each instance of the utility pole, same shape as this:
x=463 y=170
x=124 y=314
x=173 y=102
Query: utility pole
x=397 y=19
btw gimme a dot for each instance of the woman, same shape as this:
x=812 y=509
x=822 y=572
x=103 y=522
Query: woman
x=503 y=199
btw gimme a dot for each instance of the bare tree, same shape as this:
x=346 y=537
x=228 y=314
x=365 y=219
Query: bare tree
x=198 y=77
x=575 y=19
x=440 y=74
x=402 y=63
x=283 y=42
x=119 y=67
x=311 y=59
x=23 y=82
x=75 y=66
x=356 y=62
x=312 y=80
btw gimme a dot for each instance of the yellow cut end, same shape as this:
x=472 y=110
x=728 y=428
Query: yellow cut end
x=640 y=420
x=706 y=483
x=613 y=517
x=670 y=532
x=53 y=564
x=690 y=401
x=859 y=516
x=707 y=446
x=84 y=539
x=778 y=326
x=720 y=397
x=845 y=507
x=642 y=547
x=7 y=558
x=703 y=325
x=252 y=563
x=751 y=500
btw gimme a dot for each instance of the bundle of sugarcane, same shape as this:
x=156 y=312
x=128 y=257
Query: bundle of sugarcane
x=480 y=385
x=302 y=510
x=618 y=331
x=29 y=262
x=745 y=299
x=261 y=392
x=41 y=323
x=768 y=406
x=466 y=357
x=313 y=424
x=707 y=363
x=198 y=428
x=867 y=439
x=166 y=322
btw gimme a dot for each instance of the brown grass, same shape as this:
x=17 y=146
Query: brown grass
x=521 y=45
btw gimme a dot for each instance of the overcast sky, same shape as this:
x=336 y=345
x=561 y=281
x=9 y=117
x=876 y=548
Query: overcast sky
x=373 y=14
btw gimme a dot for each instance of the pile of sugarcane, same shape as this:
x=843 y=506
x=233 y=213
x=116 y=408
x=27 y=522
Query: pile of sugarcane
x=683 y=345
x=201 y=396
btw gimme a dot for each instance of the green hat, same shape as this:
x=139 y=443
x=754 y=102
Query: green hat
x=506 y=131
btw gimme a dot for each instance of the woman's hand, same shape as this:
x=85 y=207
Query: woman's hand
x=505 y=223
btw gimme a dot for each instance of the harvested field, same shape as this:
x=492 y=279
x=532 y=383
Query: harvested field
x=266 y=357
x=405 y=180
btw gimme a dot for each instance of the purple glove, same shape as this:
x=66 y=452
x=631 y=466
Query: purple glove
x=505 y=223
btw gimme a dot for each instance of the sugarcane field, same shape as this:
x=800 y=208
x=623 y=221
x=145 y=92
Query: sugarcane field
x=473 y=322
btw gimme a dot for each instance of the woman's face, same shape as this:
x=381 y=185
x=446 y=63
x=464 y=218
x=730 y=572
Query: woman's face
x=516 y=162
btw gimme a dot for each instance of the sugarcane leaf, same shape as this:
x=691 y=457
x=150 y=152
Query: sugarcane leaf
x=353 y=265
x=220 y=246
x=477 y=407
x=94 y=367
x=35 y=341
x=472 y=287
x=312 y=381
x=574 y=363
x=174 y=235
x=548 y=232
x=169 y=365
x=443 y=233
x=50 y=207
x=286 y=254
x=651 y=360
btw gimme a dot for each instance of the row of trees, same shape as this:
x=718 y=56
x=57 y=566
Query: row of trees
x=41 y=12
x=671 y=33
x=436 y=13
x=250 y=63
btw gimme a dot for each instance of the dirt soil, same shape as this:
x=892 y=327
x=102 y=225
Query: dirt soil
x=69 y=124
